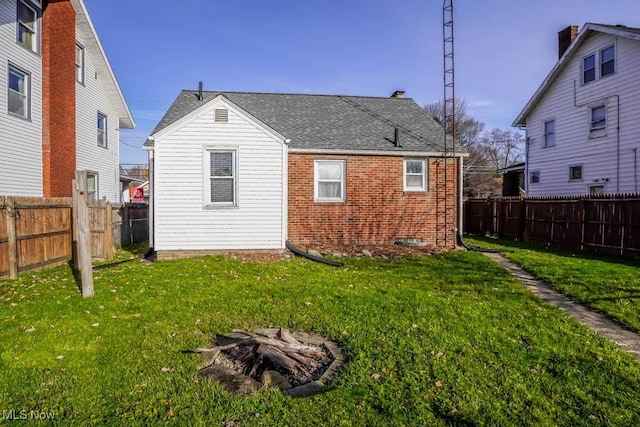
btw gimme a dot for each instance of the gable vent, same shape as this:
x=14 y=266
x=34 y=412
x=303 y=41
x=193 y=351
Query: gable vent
x=222 y=115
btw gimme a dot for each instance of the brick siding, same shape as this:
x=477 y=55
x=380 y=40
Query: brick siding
x=58 y=98
x=377 y=211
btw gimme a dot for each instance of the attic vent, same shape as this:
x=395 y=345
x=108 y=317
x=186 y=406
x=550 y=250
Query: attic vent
x=222 y=115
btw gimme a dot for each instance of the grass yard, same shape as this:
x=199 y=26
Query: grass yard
x=605 y=283
x=432 y=340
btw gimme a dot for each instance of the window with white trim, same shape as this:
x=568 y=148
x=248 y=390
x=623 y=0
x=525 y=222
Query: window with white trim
x=18 y=92
x=415 y=175
x=330 y=180
x=92 y=186
x=27 y=26
x=589 y=69
x=102 y=130
x=575 y=173
x=598 y=123
x=550 y=133
x=607 y=61
x=79 y=63
x=595 y=190
x=222 y=177
x=534 y=177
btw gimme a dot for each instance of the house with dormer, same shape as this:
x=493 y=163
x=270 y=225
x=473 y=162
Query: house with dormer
x=582 y=123
x=62 y=108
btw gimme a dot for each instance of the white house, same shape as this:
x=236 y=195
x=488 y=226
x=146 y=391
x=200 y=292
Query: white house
x=62 y=107
x=582 y=125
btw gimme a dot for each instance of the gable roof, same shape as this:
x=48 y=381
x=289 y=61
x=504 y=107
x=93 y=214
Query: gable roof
x=85 y=27
x=588 y=29
x=331 y=122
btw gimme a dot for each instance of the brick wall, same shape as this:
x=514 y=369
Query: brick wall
x=376 y=210
x=58 y=98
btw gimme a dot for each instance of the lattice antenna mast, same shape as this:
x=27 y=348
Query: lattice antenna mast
x=449 y=77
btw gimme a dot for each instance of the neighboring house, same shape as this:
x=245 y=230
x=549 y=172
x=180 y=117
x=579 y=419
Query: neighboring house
x=248 y=171
x=513 y=180
x=62 y=107
x=582 y=122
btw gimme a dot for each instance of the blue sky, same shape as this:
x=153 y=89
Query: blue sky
x=504 y=49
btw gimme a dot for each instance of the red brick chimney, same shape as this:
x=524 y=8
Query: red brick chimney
x=58 y=98
x=565 y=38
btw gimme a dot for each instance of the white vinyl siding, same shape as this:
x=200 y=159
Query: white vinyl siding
x=20 y=157
x=91 y=99
x=330 y=180
x=572 y=112
x=183 y=218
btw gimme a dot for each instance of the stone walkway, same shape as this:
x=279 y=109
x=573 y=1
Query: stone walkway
x=629 y=341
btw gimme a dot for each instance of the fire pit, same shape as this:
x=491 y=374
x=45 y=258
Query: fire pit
x=297 y=362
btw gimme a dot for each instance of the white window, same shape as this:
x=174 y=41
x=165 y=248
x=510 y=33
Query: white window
x=79 y=63
x=550 y=133
x=222 y=177
x=27 y=21
x=92 y=186
x=534 y=177
x=415 y=175
x=18 y=92
x=594 y=190
x=598 y=124
x=575 y=173
x=607 y=61
x=102 y=130
x=589 y=69
x=330 y=180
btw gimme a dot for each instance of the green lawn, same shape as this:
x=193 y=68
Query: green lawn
x=433 y=340
x=605 y=283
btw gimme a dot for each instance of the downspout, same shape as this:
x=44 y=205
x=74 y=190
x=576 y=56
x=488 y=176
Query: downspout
x=460 y=191
x=635 y=169
x=151 y=214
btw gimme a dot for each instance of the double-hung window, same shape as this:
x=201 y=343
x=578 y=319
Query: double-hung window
x=550 y=133
x=18 y=92
x=607 y=61
x=222 y=177
x=330 y=180
x=27 y=26
x=598 y=124
x=92 y=186
x=102 y=130
x=79 y=63
x=415 y=175
x=589 y=69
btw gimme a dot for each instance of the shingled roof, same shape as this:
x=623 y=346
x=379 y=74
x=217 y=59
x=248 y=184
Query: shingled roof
x=328 y=121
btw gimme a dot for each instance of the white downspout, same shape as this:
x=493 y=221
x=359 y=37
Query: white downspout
x=460 y=193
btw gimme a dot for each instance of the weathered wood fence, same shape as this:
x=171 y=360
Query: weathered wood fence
x=37 y=232
x=599 y=224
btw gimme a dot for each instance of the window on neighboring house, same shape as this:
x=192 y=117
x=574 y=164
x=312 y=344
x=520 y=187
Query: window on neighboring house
x=222 y=177
x=79 y=63
x=92 y=186
x=598 y=125
x=534 y=177
x=594 y=190
x=102 y=130
x=415 y=176
x=18 y=92
x=607 y=61
x=330 y=180
x=575 y=173
x=589 y=69
x=550 y=133
x=27 y=21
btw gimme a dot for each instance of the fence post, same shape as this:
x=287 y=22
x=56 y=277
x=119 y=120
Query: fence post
x=82 y=233
x=108 y=238
x=581 y=215
x=523 y=219
x=12 y=235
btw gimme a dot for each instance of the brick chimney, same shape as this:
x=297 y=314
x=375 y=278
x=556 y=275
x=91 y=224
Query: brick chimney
x=398 y=94
x=565 y=38
x=58 y=98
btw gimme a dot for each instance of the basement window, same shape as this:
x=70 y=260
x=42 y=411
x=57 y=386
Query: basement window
x=415 y=176
x=330 y=180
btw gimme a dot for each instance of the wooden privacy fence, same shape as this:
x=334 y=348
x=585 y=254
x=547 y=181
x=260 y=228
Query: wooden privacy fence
x=599 y=224
x=37 y=232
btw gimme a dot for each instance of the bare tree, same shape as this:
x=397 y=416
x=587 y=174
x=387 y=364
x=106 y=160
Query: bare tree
x=502 y=147
x=468 y=129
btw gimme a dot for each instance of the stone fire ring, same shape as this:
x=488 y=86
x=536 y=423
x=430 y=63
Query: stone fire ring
x=299 y=363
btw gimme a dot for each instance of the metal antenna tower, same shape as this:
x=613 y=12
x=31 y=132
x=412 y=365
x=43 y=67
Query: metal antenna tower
x=445 y=190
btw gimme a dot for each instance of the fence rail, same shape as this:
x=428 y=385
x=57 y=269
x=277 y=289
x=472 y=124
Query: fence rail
x=38 y=232
x=598 y=224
